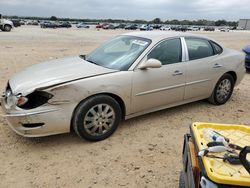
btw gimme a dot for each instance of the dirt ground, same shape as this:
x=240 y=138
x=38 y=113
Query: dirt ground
x=143 y=152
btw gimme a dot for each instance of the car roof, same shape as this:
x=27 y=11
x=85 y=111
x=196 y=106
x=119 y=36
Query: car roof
x=160 y=35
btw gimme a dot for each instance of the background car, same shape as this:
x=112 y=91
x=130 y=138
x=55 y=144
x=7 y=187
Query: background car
x=82 y=25
x=146 y=28
x=120 y=26
x=16 y=23
x=156 y=26
x=247 y=60
x=193 y=28
x=49 y=25
x=181 y=28
x=109 y=26
x=209 y=29
x=32 y=22
x=5 y=25
x=129 y=75
x=165 y=28
x=99 y=26
x=64 y=25
x=131 y=27
x=224 y=29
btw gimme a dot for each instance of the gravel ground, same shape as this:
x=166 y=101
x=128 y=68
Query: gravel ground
x=143 y=152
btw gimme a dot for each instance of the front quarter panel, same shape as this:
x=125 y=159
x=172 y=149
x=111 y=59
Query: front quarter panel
x=118 y=83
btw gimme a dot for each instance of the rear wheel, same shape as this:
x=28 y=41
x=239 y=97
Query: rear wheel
x=7 y=28
x=223 y=90
x=97 y=118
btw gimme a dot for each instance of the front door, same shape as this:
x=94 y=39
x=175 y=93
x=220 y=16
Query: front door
x=158 y=87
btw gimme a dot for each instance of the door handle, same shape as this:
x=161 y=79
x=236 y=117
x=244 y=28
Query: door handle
x=216 y=65
x=177 y=73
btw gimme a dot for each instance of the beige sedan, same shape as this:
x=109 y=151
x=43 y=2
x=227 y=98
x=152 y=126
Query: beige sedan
x=129 y=75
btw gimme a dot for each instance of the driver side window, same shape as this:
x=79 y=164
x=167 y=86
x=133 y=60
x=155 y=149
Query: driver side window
x=167 y=52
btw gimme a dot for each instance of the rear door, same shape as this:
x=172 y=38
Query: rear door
x=204 y=67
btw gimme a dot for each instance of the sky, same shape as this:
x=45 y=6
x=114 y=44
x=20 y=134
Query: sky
x=130 y=9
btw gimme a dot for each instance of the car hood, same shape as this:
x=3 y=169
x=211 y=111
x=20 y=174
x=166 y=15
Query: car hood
x=247 y=49
x=54 y=72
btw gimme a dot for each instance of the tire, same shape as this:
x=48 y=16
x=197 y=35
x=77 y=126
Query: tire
x=223 y=90
x=96 y=118
x=181 y=180
x=7 y=28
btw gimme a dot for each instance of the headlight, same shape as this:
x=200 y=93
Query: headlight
x=33 y=100
x=13 y=100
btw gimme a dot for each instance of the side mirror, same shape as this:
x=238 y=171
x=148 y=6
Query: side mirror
x=150 y=63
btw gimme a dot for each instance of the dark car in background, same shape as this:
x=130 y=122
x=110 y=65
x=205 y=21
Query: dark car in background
x=247 y=60
x=120 y=26
x=16 y=23
x=48 y=25
x=64 y=25
x=209 y=29
x=156 y=26
x=131 y=27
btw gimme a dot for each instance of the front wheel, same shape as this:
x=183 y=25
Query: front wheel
x=97 y=118
x=7 y=28
x=223 y=90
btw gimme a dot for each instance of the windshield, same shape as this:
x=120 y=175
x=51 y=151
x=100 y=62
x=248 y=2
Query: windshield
x=118 y=53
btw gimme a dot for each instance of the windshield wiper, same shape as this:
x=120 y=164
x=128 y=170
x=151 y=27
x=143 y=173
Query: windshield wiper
x=84 y=57
x=91 y=61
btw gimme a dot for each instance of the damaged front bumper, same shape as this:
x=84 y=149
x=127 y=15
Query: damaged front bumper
x=42 y=121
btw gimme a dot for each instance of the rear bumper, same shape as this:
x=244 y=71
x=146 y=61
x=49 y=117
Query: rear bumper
x=41 y=121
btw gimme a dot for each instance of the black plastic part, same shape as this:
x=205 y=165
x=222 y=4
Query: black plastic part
x=32 y=125
x=211 y=144
x=243 y=158
x=181 y=180
x=36 y=99
x=234 y=146
x=234 y=160
x=187 y=168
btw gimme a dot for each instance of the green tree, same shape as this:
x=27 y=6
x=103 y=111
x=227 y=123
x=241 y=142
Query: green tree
x=156 y=21
x=220 y=23
x=53 y=18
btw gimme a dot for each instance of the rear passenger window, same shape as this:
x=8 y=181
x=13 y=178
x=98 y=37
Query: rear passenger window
x=217 y=48
x=198 y=48
x=167 y=52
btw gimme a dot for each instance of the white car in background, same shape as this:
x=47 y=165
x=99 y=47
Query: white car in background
x=224 y=29
x=82 y=25
x=129 y=75
x=6 y=25
x=165 y=28
x=194 y=28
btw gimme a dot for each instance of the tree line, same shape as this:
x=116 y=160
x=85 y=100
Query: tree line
x=201 y=22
